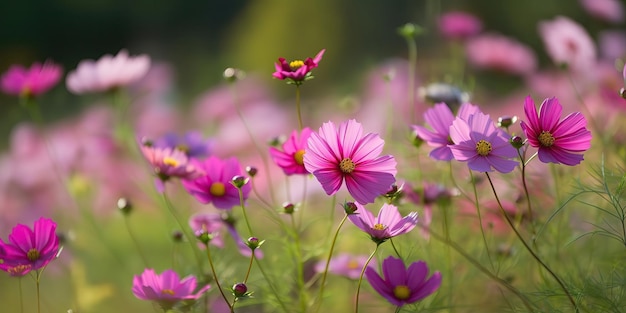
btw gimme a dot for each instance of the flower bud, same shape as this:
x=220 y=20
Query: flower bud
x=251 y=170
x=203 y=236
x=288 y=208
x=238 y=181
x=254 y=242
x=124 y=206
x=622 y=92
x=231 y=75
x=240 y=290
x=147 y=142
x=517 y=142
x=177 y=236
x=410 y=30
x=349 y=208
x=506 y=121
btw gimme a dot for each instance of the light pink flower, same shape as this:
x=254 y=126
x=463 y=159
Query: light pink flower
x=166 y=289
x=107 y=73
x=500 y=53
x=334 y=155
x=568 y=43
x=608 y=10
x=389 y=223
x=291 y=158
x=34 y=81
x=345 y=264
x=459 y=25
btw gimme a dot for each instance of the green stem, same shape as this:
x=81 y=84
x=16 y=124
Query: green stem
x=38 y=292
x=19 y=282
x=299 y=264
x=298 y=106
x=480 y=219
x=243 y=210
x=358 y=288
x=135 y=242
x=330 y=255
x=249 y=267
x=393 y=245
x=217 y=282
x=530 y=250
x=272 y=287
x=190 y=239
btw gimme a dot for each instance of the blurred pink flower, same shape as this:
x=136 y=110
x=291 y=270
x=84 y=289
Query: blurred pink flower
x=459 y=25
x=500 y=53
x=558 y=141
x=36 y=80
x=107 y=73
x=607 y=10
x=297 y=71
x=612 y=44
x=568 y=43
x=30 y=249
x=334 y=155
x=389 y=223
x=345 y=264
x=291 y=158
x=167 y=163
x=166 y=289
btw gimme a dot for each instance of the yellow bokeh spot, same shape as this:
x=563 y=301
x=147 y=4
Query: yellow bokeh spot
x=402 y=292
x=170 y=161
x=352 y=264
x=296 y=64
x=217 y=189
x=299 y=157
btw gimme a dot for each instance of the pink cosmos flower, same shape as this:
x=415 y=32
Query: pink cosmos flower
x=167 y=163
x=334 y=155
x=215 y=185
x=484 y=147
x=558 y=141
x=166 y=289
x=389 y=223
x=107 y=73
x=440 y=119
x=36 y=80
x=568 y=43
x=459 y=25
x=345 y=264
x=30 y=249
x=607 y=10
x=213 y=223
x=297 y=71
x=500 y=53
x=291 y=158
x=400 y=285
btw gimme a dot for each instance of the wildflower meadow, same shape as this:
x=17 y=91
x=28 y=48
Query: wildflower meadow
x=486 y=176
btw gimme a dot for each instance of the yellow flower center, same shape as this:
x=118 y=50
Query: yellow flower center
x=546 y=139
x=167 y=292
x=296 y=64
x=33 y=255
x=379 y=227
x=352 y=264
x=299 y=157
x=217 y=189
x=347 y=166
x=170 y=161
x=402 y=292
x=483 y=147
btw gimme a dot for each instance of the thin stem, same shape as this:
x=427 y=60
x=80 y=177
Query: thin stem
x=268 y=281
x=299 y=264
x=243 y=210
x=446 y=229
x=480 y=219
x=19 y=282
x=245 y=280
x=530 y=250
x=217 y=282
x=358 y=288
x=190 y=239
x=298 y=106
x=526 y=192
x=134 y=240
x=38 y=291
x=393 y=245
x=330 y=255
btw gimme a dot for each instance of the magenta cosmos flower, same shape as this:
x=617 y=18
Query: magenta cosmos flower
x=334 y=155
x=166 y=289
x=440 y=119
x=107 y=73
x=30 y=250
x=291 y=158
x=400 y=285
x=214 y=186
x=34 y=81
x=459 y=25
x=567 y=42
x=389 y=223
x=558 y=141
x=296 y=71
x=481 y=144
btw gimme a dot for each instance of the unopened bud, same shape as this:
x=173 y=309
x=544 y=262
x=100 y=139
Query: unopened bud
x=506 y=121
x=177 y=236
x=238 y=181
x=517 y=142
x=240 y=290
x=254 y=242
x=349 y=207
x=124 y=206
x=288 y=207
x=232 y=74
x=622 y=92
x=251 y=170
x=204 y=237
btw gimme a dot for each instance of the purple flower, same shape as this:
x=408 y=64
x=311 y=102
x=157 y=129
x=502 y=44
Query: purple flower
x=400 y=285
x=389 y=223
x=346 y=265
x=334 y=155
x=192 y=144
x=30 y=250
x=558 y=141
x=297 y=71
x=459 y=25
x=291 y=158
x=215 y=185
x=36 y=80
x=440 y=119
x=478 y=142
x=166 y=289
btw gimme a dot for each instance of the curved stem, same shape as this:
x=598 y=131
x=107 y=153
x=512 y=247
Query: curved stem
x=249 y=267
x=530 y=250
x=330 y=255
x=358 y=288
x=480 y=219
x=394 y=248
x=298 y=106
x=217 y=282
x=190 y=239
x=299 y=264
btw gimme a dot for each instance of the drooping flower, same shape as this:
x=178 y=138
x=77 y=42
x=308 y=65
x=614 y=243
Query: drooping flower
x=291 y=158
x=31 y=82
x=567 y=42
x=607 y=10
x=30 y=249
x=440 y=119
x=166 y=289
x=500 y=53
x=558 y=141
x=345 y=264
x=389 y=223
x=459 y=25
x=334 y=155
x=167 y=163
x=214 y=186
x=296 y=71
x=401 y=285
x=481 y=144
x=191 y=143
x=107 y=73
